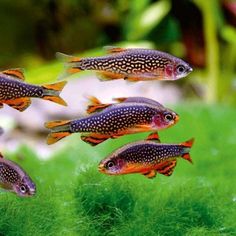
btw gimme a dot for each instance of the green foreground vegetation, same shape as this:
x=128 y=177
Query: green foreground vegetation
x=73 y=198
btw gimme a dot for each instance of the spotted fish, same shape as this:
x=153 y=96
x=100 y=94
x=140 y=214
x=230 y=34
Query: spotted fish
x=13 y=178
x=127 y=116
x=130 y=64
x=16 y=93
x=147 y=157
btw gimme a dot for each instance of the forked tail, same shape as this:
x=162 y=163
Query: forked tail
x=52 y=92
x=71 y=65
x=59 y=129
x=186 y=149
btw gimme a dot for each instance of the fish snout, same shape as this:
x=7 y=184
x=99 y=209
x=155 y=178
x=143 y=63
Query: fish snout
x=101 y=168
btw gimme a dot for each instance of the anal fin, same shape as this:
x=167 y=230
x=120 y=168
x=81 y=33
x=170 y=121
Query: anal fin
x=150 y=174
x=106 y=75
x=94 y=139
x=166 y=168
x=19 y=104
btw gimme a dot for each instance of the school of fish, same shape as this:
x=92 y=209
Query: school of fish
x=126 y=115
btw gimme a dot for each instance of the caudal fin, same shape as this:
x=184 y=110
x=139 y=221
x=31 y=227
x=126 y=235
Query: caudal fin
x=59 y=129
x=52 y=92
x=71 y=64
x=186 y=149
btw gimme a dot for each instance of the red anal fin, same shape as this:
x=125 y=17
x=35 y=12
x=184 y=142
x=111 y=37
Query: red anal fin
x=19 y=104
x=113 y=49
x=153 y=137
x=150 y=174
x=94 y=139
x=166 y=168
x=95 y=105
x=106 y=75
x=17 y=73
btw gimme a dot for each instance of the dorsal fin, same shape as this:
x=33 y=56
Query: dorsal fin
x=95 y=105
x=114 y=49
x=153 y=137
x=17 y=73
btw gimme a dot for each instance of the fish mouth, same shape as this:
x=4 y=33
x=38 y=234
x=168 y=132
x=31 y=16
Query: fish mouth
x=176 y=118
x=101 y=168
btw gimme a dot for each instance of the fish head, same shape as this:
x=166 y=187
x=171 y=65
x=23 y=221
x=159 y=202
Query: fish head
x=164 y=118
x=112 y=165
x=25 y=187
x=177 y=69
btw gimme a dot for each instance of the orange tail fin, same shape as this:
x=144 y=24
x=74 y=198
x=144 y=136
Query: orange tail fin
x=52 y=92
x=186 y=149
x=59 y=130
x=71 y=64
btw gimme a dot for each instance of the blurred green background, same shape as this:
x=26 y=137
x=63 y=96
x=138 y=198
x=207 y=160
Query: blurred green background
x=73 y=198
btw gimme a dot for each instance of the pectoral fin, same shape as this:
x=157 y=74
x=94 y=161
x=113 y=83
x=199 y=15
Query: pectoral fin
x=166 y=168
x=95 y=105
x=94 y=139
x=17 y=73
x=150 y=174
x=19 y=104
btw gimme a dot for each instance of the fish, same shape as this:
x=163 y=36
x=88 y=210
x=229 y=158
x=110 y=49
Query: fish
x=104 y=121
x=17 y=94
x=14 y=179
x=132 y=64
x=147 y=157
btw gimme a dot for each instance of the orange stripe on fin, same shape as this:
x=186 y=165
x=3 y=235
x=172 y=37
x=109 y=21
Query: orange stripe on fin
x=94 y=139
x=55 y=137
x=114 y=49
x=187 y=157
x=56 y=87
x=106 y=75
x=188 y=143
x=166 y=168
x=150 y=174
x=19 y=104
x=153 y=137
x=67 y=58
x=18 y=73
x=56 y=123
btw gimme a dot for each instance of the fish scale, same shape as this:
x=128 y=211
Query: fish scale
x=7 y=174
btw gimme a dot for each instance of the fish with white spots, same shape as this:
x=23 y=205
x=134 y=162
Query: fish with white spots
x=147 y=157
x=16 y=93
x=132 y=64
x=14 y=179
x=127 y=116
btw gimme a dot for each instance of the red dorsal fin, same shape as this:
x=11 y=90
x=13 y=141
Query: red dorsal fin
x=16 y=73
x=113 y=49
x=153 y=137
x=95 y=105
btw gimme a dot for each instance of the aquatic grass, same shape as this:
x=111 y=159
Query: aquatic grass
x=73 y=198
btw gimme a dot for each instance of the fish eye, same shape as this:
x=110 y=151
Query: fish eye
x=180 y=69
x=110 y=164
x=169 y=117
x=23 y=188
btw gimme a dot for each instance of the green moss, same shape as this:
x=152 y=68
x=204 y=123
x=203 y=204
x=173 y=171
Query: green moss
x=73 y=198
